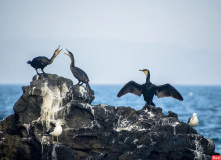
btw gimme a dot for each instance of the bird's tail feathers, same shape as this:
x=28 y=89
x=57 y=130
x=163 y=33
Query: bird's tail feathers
x=29 y=62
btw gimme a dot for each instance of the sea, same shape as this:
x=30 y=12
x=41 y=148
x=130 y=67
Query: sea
x=203 y=100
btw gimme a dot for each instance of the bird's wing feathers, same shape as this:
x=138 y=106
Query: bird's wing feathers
x=50 y=130
x=167 y=90
x=40 y=61
x=130 y=87
x=189 y=120
x=80 y=74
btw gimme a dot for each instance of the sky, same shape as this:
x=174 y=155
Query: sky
x=178 y=41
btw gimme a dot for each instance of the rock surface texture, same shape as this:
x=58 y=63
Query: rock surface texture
x=93 y=132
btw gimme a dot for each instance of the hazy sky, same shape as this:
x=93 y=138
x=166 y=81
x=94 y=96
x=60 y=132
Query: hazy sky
x=178 y=41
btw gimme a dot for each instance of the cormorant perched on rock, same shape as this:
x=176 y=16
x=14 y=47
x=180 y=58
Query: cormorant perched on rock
x=42 y=61
x=149 y=90
x=193 y=121
x=55 y=131
x=79 y=74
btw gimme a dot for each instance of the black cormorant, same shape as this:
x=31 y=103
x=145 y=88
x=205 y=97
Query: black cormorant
x=79 y=74
x=42 y=61
x=149 y=90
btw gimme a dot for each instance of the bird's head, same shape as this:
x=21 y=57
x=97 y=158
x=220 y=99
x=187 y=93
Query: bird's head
x=69 y=53
x=59 y=123
x=194 y=115
x=57 y=51
x=146 y=72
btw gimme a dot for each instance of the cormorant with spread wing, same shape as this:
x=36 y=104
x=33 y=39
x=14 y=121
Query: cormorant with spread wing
x=149 y=90
x=42 y=61
x=79 y=74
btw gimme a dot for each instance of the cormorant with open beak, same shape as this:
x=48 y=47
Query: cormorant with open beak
x=42 y=61
x=79 y=74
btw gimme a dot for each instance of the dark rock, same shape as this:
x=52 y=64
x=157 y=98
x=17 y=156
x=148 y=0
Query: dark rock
x=58 y=152
x=93 y=132
x=172 y=114
x=79 y=94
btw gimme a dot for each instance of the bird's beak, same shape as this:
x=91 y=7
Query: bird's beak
x=144 y=71
x=57 y=50
x=67 y=54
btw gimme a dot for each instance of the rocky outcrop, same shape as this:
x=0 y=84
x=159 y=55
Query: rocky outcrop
x=93 y=131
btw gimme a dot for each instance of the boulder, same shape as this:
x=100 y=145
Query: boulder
x=93 y=131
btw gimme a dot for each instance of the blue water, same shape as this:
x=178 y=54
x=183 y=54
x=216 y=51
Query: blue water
x=203 y=100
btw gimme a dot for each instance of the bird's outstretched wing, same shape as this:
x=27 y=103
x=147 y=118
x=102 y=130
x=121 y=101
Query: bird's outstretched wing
x=167 y=90
x=130 y=87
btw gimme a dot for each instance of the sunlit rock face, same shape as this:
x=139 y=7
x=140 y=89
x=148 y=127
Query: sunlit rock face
x=93 y=131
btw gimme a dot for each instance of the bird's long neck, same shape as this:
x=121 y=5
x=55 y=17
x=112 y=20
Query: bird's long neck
x=52 y=58
x=72 y=61
x=148 y=78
